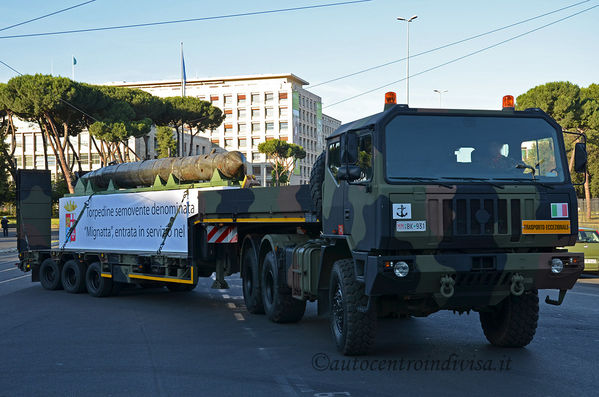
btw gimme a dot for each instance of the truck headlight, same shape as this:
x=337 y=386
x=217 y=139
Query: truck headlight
x=401 y=269
x=557 y=265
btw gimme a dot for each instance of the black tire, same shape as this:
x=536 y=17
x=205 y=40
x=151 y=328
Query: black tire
x=252 y=292
x=279 y=305
x=177 y=287
x=514 y=322
x=73 y=276
x=316 y=180
x=50 y=275
x=97 y=285
x=354 y=331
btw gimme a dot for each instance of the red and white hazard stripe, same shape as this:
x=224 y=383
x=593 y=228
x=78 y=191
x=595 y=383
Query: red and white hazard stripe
x=221 y=234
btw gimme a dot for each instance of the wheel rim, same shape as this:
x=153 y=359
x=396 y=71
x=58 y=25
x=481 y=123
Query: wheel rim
x=49 y=274
x=337 y=310
x=70 y=277
x=248 y=280
x=269 y=286
x=95 y=280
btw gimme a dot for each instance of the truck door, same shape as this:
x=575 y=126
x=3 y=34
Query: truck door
x=358 y=213
x=333 y=190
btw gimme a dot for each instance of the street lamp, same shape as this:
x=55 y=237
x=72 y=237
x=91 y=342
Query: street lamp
x=440 y=92
x=408 y=57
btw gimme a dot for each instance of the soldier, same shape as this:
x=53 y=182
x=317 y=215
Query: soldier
x=5 y=226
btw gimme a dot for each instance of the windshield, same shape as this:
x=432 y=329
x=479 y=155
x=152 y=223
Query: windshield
x=588 y=236
x=472 y=148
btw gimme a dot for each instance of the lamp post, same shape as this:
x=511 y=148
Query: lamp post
x=440 y=92
x=408 y=20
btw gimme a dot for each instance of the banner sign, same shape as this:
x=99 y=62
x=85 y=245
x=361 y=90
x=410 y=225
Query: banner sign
x=128 y=221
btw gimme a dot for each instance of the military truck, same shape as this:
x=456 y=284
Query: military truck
x=408 y=212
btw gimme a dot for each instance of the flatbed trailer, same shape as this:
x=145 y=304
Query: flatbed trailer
x=390 y=225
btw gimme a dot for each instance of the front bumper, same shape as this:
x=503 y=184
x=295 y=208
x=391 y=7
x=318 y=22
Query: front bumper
x=474 y=275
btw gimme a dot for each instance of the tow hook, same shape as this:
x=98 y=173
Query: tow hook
x=517 y=287
x=447 y=283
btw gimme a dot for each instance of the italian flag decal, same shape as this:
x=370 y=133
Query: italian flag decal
x=559 y=210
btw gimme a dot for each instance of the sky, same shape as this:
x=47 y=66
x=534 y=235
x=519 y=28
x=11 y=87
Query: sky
x=316 y=44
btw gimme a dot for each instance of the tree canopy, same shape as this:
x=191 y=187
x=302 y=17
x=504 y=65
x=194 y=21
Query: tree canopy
x=282 y=155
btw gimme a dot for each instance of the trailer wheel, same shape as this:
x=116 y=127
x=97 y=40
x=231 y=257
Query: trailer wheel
x=280 y=306
x=252 y=293
x=354 y=330
x=316 y=180
x=514 y=322
x=73 y=276
x=177 y=287
x=50 y=275
x=97 y=285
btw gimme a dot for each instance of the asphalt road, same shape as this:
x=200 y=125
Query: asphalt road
x=156 y=343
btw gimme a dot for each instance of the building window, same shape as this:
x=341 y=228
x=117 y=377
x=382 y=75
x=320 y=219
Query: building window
x=283 y=127
x=228 y=143
x=282 y=112
x=256 y=170
x=269 y=98
x=241 y=113
x=242 y=142
x=270 y=127
x=241 y=127
x=213 y=98
x=228 y=129
x=255 y=142
x=255 y=113
x=283 y=98
x=269 y=113
x=197 y=149
x=95 y=159
x=29 y=161
x=228 y=100
x=228 y=114
x=240 y=99
x=255 y=99
x=255 y=127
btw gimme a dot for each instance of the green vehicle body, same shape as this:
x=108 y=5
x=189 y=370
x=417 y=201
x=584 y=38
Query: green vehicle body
x=462 y=242
x=588 y=244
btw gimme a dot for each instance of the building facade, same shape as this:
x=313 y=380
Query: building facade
x=258 y=108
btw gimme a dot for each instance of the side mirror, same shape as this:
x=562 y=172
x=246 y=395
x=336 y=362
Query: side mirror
x=349 y=173
x=349 y=148
x=580 y=157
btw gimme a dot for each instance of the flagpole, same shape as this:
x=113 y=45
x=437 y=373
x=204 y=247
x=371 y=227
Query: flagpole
x=182 y=143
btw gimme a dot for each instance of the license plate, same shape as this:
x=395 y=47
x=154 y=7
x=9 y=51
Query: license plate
x=590 y=260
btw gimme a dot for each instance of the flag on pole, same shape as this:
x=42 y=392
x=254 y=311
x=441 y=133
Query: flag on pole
x=183 y=76
x=74 y=61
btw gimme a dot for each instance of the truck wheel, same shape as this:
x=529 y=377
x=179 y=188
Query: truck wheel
x=354 y=330
x=97 y=285
x=252 y=293
x=514 y=322
x=176 y=287
x=50 y=275
x=280 y=306
x=73 y=276
x=316 y=179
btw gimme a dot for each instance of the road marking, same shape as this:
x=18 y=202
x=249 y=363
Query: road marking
x=8 y=270
x=239 y=316
x=250 y=331
x=231 y=305
x=583 y=293
x=13 y=279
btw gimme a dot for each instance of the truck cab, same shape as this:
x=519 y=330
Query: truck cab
x=453 y=209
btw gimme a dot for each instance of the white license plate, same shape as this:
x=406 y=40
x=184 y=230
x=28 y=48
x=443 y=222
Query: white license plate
x=590 y=260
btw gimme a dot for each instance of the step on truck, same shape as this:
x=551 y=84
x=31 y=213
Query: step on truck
x=408 y=212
